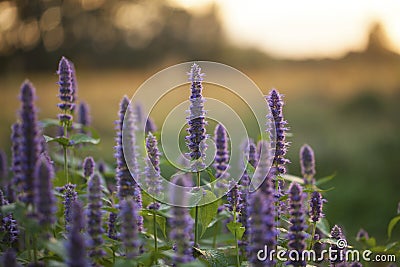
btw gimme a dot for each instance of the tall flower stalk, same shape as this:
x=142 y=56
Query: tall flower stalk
x=16 y=159
x=126 y=184
x=277 y=121
x=181 y=224
x=45 y=201
x=66 y=83
x=315 y=212
x=152 y=172
x=277 y=128
x=296 y=234
x=195 y=140
x=75 y=245
x=30 y=146
x=129 y=228
x=307 y=163
x=196 y=120
x=69 y=196
x=8 y=225
x=338 y=252
x=94 y=217
x=84 y=116
x=261 y=211
x=3 y=169
x=234 y=199
x=221 y=161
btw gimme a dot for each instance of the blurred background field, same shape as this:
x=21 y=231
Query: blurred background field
x=344 y=102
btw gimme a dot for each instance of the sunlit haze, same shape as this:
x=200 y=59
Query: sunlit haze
x=307 y=28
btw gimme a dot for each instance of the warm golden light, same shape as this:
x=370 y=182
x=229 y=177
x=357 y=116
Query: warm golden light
x=308 y=28
x=8 y=15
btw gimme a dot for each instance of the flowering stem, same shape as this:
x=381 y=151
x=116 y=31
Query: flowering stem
x=65 y=163
x=34 y=248
x=196 y=217
x=236 y=241
x=314 y=226
x=155 y=236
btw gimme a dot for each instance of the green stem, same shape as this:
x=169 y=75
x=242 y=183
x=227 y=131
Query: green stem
x=236 y=240
x=34 y=248
x=313 y=234
x=196 y=217
x=216 y=229
x=65 y=164
x=155 y=237
x=28 y=246
x=65 y=155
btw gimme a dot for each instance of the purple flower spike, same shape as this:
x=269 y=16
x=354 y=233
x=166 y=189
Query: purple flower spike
x=362 y=234
x=75 y=245
x=45 y=201
x=67 y=97
x=195 y=140
x=151 y=127
x=8 y=226
x=244 y=191
x=261 y=228
x=3 y=168
x=30 y=146
x=112 y=231
x=129 y=228
x=234 y=198
x=152 y=170
x=221 y=161
x=264 y=174
x=138 y=110
x=252 y=154
x=307 y=162
x=16 y=154
x=94 y=217
x=356 y=264
x=84 y=115
x=88 y=166
x=74 y=83
x=126 y=184
x=280 y=145
x=316 y=203
x=9 y=259
x=296 y=234
x=339 y=256
x=181 y=224
x=69 y=196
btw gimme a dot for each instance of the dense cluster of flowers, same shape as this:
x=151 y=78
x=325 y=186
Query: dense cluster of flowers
x=196 y=119
x=102 y=218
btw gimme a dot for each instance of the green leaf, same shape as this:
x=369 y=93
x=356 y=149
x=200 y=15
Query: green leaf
x=83 y=138
x=61 y=140
x=57 y=247
x=392 y=245
x=208 y=212
x=293 y=178
x=162 y=221
x=236 y=228
x=195 y=263
x=371 y=242
x=49 y=122
x=323 y=226
x=211 y=175
x=325 y=179
x=213 y=257
x=392 y=224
